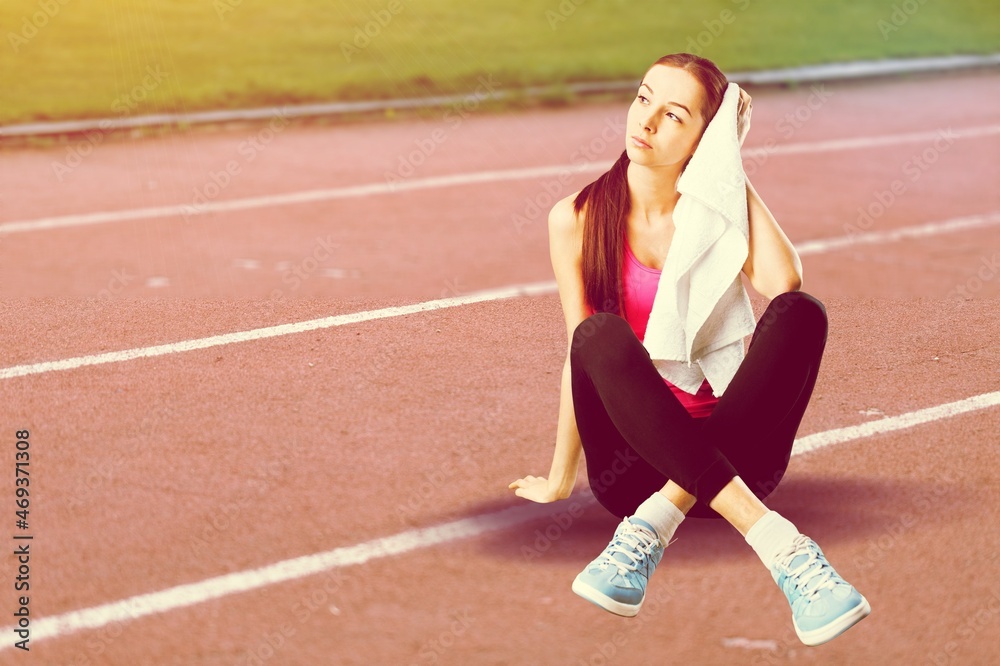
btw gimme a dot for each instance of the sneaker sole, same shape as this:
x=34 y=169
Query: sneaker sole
x=837 y=627
x=602 y=600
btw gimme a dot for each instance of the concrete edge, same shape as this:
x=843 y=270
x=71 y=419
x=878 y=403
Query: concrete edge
x=790 y=75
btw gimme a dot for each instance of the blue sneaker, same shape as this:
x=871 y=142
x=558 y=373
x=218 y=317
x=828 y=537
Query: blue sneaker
x=824 y=605
x=616 y=580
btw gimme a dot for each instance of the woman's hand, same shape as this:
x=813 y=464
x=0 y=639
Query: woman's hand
x=743 y=108
x=536 y=489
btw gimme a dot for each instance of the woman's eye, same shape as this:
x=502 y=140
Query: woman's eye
x=641 y=97
x=674 y=117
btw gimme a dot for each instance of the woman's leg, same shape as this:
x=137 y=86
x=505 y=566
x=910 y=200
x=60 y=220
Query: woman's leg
x=619 y=477
x=622 y=405
x=752 y=429
x=755 y=421
x=623 y=481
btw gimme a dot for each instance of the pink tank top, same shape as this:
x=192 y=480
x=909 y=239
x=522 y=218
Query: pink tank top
x=639 y=283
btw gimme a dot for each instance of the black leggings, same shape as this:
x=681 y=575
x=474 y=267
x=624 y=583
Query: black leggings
x=636 y=434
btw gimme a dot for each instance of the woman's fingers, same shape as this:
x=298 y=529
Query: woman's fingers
x=521 y=483
x=526 y=482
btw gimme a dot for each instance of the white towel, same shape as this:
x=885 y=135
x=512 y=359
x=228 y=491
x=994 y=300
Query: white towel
x=701 y=312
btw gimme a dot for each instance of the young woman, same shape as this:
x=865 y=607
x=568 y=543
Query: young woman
x=655 y=453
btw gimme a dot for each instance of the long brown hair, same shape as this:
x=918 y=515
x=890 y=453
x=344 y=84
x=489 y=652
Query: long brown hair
x=605 y=219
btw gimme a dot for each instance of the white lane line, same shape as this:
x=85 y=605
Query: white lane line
x=531 y=289
x=192 y=594
x=275 y=331
x=374 y=189
x=864 y=142
x=369 y=189
x=891 y=423
x=821 y=245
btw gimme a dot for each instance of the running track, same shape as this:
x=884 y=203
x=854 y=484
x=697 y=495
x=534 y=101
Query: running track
x=190 y=450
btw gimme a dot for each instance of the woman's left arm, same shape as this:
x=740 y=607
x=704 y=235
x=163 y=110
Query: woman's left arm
x=772 y=266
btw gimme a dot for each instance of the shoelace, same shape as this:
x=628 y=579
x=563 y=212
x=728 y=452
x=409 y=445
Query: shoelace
x=633 y=538
x=808 y=570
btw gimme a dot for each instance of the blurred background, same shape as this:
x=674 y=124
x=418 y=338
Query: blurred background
x=66 y=59
x=173 y=93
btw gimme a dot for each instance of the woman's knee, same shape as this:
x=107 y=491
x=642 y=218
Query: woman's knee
x=596 y=334
x=801 y=306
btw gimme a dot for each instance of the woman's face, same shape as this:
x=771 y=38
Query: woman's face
x=666 y=116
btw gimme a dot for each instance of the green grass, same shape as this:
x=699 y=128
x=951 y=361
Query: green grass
x=90 y=59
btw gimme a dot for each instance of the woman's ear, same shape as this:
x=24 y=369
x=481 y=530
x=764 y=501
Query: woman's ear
x=744 y=107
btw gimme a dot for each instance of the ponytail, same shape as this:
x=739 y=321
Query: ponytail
x=604 y=229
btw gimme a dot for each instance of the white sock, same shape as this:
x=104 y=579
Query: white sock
x=770 y=535
x=661 y=513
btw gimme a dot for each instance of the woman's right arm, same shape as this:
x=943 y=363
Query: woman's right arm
x=566 y=253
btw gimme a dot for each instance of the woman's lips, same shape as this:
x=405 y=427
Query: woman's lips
x=639 y=143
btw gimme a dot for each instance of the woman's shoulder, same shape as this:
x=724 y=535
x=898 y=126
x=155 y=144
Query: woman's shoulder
x=564 y=218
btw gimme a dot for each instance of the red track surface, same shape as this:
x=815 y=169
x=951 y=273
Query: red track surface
x=313 y=441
